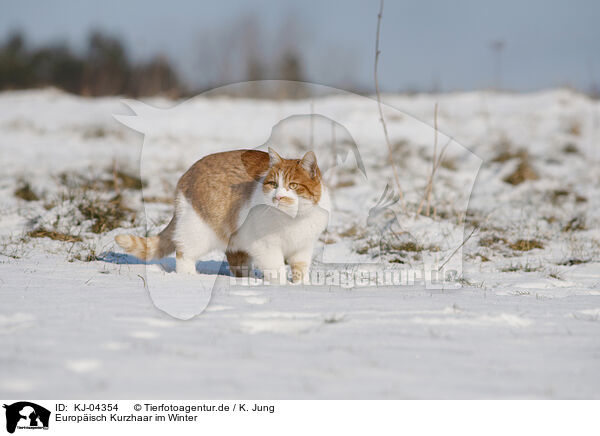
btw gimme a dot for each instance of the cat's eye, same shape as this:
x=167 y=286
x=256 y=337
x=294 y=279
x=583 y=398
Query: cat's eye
x=293 y=185
x=272 y=183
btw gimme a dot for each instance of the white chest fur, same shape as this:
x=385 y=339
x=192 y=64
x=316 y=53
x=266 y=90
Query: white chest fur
x=271 y=236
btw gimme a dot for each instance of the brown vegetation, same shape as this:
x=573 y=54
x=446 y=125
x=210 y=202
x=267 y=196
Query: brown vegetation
x=106 y=215
x=25 y=192
x=54 y=235
x=525 y=245
x=524 y=172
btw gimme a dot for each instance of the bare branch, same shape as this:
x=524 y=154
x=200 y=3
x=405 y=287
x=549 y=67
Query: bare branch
x=436 y=162
x=459 y=247
x=312 y=128
x=385 y=131
x=435 y=157
x=115 y=178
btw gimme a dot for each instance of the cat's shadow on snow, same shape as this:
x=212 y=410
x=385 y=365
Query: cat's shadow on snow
x=212 y=267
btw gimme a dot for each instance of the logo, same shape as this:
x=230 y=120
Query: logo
x=26 y=415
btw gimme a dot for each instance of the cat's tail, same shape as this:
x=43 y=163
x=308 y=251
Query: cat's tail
x=153 y=247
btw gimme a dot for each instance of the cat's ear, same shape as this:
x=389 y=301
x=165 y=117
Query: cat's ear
x=309 y=163
x=274 y=158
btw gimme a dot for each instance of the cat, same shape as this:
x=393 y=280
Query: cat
x=263 y=210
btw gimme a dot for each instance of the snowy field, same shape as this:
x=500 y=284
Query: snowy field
x=519 y=181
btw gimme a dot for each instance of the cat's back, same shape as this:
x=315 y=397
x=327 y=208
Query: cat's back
x=235 y=167
x=218 y=185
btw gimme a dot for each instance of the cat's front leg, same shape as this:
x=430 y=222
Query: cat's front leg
x=239 y=263
x=300 y=263
x=185 y=264
x=270 y=263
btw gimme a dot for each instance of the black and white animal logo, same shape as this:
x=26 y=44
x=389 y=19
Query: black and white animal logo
x=26 y=415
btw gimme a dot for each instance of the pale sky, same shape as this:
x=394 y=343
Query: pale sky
x=425 y=44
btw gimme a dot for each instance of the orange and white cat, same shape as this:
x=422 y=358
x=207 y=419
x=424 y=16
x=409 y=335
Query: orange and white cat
x=263 y=210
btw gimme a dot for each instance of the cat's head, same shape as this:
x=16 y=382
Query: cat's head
x=292 y=185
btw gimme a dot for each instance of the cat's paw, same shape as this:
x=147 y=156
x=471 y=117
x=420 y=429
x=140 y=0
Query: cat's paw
x=185 y=266
x=299 y=272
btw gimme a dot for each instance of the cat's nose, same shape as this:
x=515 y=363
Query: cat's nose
x=281 y=199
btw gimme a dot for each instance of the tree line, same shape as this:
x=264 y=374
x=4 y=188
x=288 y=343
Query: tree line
x=104 y=68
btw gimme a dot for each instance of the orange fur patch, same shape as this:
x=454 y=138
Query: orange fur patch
x=239 y=263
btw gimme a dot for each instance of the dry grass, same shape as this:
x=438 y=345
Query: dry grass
x=524 y=172
x=520 y=267
x=525 y=245
x=54 y=235
x=406 y=246
x=13 y=246
x=571 y=262
x=437 y=160
x=354 y=232
x=83 y=204
x=449 y=164
x=506 y=155
x=492 y=240
x=570 y=148
x=112 y=180
x=483 y=257
x=83 y=208
x=333 y=319
x=555 y=274
x=560 y=195
x=106 y=215
x=326 y=239
x=575 y=224
x=519 y=245
x=129 y=181
x=94 y=132
x=344 y=183
x=89 y=256
x=381 y=117
x=363 y=250
x=400 y=146
x=393 y=246
x=24 y=192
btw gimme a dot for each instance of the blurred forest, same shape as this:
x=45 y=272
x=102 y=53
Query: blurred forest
x=105 y=67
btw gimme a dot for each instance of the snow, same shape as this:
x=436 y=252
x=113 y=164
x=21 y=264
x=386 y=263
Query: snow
x=512 y=324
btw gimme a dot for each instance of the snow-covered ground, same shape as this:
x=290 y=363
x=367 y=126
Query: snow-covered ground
x=519 y=181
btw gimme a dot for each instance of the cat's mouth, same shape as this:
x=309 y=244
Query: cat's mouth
x=283 y=201
x=286 y=205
